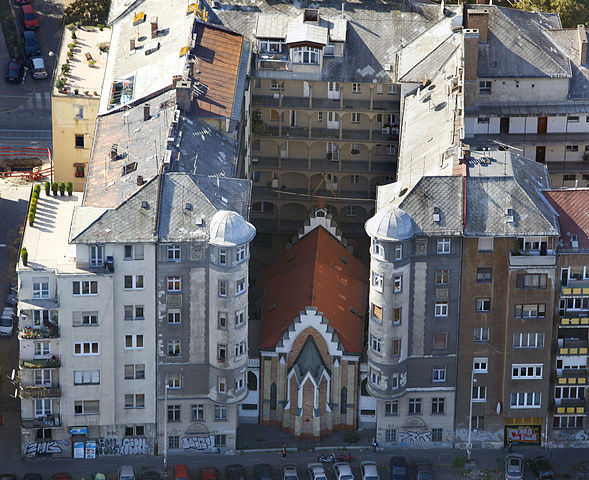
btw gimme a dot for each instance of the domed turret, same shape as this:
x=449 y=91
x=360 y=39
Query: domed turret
x=390 y=223
x=229 y=228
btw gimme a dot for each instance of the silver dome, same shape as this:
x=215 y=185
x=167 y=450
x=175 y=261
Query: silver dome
x=390 y=223
x=229 y=228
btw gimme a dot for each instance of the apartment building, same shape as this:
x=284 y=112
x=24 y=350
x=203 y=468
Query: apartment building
x=526 y=86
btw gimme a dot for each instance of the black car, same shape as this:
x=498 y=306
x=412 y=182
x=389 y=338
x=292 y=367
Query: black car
x=399 y=468
x=7 y=476
x=263 y=471
x=31 y=44
x=151 y=475
x=235 y=472
x=15 y=70
x=541 y=468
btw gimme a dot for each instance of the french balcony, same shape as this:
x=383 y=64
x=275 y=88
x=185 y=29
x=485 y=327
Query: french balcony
x=577 y=321
x=50 y=420
x=50 y=330
x=571 y=376
x=570 y=405
x=572 y=347
x=53 y=362
x=39 y=391
x=522 y=259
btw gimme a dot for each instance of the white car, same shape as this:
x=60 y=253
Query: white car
x=7 y=322
x=289 y=472
x=514 y=466
x=316 y=471
x=343 y=471
x=369 y=470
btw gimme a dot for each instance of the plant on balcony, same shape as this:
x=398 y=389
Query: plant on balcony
x=355 y=151
x=24 y=255
x=62 y=188
x=47 y=188
x=70 y=188
x=54 y=187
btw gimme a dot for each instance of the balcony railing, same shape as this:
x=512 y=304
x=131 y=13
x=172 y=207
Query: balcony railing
x=49 y=331
x=572 y=347
x=571 y=376
x=53 y=362
x=521 y=259
x=273 y=61
x=570 y=405
x=573 y=321
x=40 y=392
x=51 y=420
x=575 y=290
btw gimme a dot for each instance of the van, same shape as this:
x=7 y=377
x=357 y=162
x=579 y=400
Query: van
x=126 y=472
x=38 y=70
x=180 y=472
x=7 y=322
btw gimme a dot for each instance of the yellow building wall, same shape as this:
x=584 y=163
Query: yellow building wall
x=67 y=124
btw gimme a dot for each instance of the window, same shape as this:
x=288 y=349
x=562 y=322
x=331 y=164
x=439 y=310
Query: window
x=572 y=148
x=395 y=381
x=85 y=287
x=442 y=277
x=485 y=87
x=221 y=440
x=478 y=422
x=441 y=340
x=356 y=88
x=133 y=252
x=79 y=171
x=276 y=85
x=443 y=246
x=483 y=120
x=437 y=434
x=221 y=385
x=486 y=244
x=174 y=284
x=438 y=406
x=377 y=281
x=96 y=255
x=396 y=347
x=378 y=149
x=42 y=377
x=86 y=377
x=174 y=382
x=173 y=441
x=239 y=318
x=415 y=406
x=240 y=254
x=526 y=400
x=222 y=320
x=397 y=315
x=480 y=365
x=133 y=342
x=135 y=371
x=379 y=89
x=86 y=348
x=479 y=393
x=239 y=383
x=397 y=284
x=441 y=309
x=42 y=349
x=375 y=377
x=390 y=436
x=481 y=334
x=573 y=119
x=391 y=149
x=84 y=318
x=308 y=55
x=531 y=280
x=398 y=252
x=377 y=248
x=528 y=340
x=174 y=317
x=222 y=257
x=530 y=310
x=86 y=407
x=79 y=142
x=439 y=375
x=391 y=408
x=40 y=317
x=134 y=431
x=271 y=46
x=568 y=421
x=173 y=413
x=134 y=400
x=134 y=312
x=240 y=349
x=78 y=112
x=526 y=372
x=350 y=211
x=133 y=282
x=484 y=274
x=392 y=89
x=319 y=116
x=40 y=287
x=483 y=305
x=44 y=434
x=376 y=312
x=174 y=253
x=376 y=343
x=198 y=413
x=354 y=179
x=574 y=393
x=173 y=348
x=240 y=286
x=220 y=413
x=355 y=119
x=222 y=288
x=43 y=407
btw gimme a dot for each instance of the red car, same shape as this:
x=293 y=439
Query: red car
x=29 y=18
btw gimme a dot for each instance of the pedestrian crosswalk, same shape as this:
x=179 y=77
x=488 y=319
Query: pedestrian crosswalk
x=39 y=101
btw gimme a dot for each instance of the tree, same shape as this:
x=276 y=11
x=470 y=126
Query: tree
x=572 y=12
x=87 y=12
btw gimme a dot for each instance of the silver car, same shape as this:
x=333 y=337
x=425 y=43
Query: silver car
x=316 y=471
x=369 y=470
x=343 y=471
x=514 y=466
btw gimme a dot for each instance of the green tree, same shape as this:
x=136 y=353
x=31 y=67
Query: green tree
x=87 y=12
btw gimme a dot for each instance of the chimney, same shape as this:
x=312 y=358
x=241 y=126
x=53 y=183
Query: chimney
x=478 y=19
x=582 y=44
x=139 y=180
x=175 y=80
x=146 y=114
x=184 y=95
x=470 y=38
x=114 y=152
x=153 y=27
x=131 y=44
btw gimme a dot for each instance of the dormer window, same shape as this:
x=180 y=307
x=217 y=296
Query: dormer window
x=307 y=55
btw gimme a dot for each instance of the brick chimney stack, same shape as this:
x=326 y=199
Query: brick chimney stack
x=478 y=19
x=184 y=95
x=582 y=44
x=470 y=46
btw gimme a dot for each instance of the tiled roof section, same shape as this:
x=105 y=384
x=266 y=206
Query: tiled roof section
x=375 y=30
x=218 y=53
x=189 y=201
x=572 y=207
x=517 y=46
x=141 y=146
x=442 y=193
x=132 y=221
x=319 y=272
x=567 y=41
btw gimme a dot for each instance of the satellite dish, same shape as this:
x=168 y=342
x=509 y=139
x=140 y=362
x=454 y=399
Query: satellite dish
x=13 y=374
x=498 y=408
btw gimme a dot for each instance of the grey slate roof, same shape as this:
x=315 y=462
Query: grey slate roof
x=567 y=41
x=517 y=46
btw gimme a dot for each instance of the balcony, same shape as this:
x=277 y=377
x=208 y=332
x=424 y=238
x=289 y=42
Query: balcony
x=572 y=347
x=266 y=100
x=575 y=289
x=570 y=405
x=523 y=259
x=51 y=420
x=39 y=391
x=273 y=61
x=52 y=362
x=49 y=331
x=571 y=376
x=573 y=321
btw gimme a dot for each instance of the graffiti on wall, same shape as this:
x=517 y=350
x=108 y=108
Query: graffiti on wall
x=413 y=436
x=523 y=434
x=46 y=448
x=199 y=442
x=113 y=446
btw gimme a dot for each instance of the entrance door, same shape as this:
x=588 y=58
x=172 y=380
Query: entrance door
x=333 y=90
x=542 y=122
x=504 y=125
x=541 y=154
x=333 y=120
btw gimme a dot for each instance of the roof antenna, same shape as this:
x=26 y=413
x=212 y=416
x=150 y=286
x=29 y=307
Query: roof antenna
x=343 y=9
x=443 y=6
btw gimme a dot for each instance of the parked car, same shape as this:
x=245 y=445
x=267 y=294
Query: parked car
x=514 y=466
x=7 y=322
x=7 y=476
x=316 y=471
x=31 y=44
x=15 y=71
x=399 y=468
x=289 y=472
x=180 y=472
x=207 y=472
x=343 y=471
x=263 y=471
x=126 y=472
x=61 y=476
x=37 y=66
x=424 y=470
x=369 y=470
x=29 y=17
x=151 y=475
x=32 y=476
x=541 y=468
x=235 y=472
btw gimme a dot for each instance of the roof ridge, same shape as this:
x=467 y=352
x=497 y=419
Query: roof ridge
x=439 y=46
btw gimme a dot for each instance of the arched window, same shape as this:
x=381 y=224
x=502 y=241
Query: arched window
x=273 y=396
x=363 y=390
x=344 y=401
x=252 y=381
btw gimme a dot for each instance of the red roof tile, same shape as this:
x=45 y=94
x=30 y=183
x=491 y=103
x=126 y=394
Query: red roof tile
x=572 y=206
x=312 y=273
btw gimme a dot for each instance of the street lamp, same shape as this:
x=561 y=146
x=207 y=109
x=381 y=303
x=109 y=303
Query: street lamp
x=469 y=445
